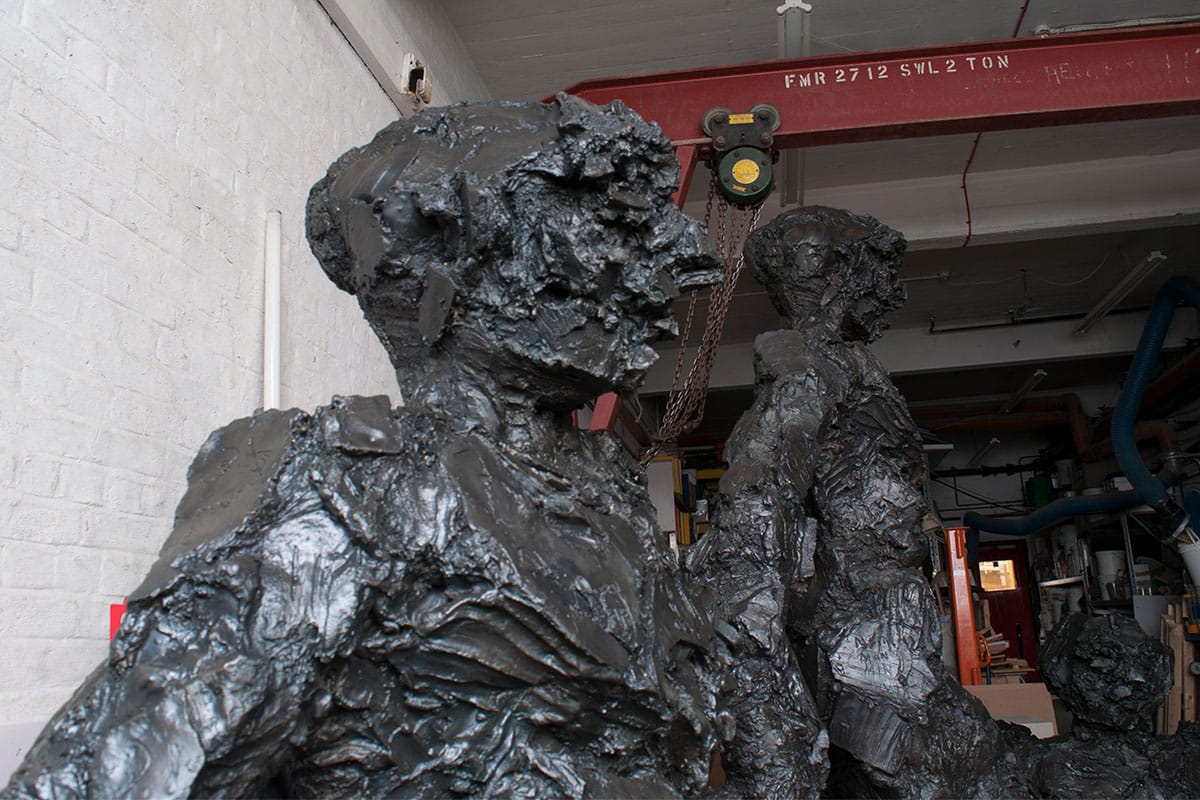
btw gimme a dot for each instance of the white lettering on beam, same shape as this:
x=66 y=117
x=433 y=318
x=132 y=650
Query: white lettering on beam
x=803 y=80
x=903 y=69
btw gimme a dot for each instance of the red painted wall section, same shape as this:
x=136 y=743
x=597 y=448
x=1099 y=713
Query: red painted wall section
x=115 y=612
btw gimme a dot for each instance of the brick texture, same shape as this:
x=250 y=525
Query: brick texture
x=143 y=145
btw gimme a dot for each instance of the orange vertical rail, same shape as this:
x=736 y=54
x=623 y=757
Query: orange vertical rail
x=965 y=639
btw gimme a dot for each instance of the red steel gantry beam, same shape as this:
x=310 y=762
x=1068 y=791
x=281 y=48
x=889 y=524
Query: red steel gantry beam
x=1132 y=73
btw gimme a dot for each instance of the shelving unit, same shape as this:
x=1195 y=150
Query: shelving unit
x=1078 y=562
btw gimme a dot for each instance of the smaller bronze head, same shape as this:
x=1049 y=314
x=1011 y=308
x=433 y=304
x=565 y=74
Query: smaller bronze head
x=829 y=267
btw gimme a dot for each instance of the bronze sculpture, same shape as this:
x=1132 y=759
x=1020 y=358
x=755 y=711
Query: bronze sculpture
x=816 y=538
x=468 y=597
x=461 y=596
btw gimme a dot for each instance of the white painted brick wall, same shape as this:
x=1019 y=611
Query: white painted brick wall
x=141 y=146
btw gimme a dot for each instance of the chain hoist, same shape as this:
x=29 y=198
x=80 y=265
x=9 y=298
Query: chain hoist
x=743 y=151
x=743 y=179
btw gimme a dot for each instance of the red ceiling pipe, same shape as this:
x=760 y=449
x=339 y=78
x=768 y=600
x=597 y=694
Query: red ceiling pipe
x=1044 y=419
x=1172 y=379
x=1041 y=412
x=981 y=415
x=1157 y=429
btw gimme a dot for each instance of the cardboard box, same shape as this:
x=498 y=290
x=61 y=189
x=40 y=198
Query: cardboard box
x=1027 y=704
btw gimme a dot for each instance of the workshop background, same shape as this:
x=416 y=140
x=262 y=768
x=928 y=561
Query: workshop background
x=143 y=146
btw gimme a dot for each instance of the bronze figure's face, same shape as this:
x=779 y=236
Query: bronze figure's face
x=538 y=242
x=832 y=267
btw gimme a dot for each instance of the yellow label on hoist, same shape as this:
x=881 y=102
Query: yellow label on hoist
x=741 y=119
x=746 y=170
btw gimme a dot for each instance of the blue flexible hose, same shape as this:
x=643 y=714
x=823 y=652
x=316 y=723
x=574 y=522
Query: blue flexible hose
x=1062 y=508
x=1172 y=293
x=1147 y=488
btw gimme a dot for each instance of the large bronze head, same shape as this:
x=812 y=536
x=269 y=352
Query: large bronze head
x=536 y=241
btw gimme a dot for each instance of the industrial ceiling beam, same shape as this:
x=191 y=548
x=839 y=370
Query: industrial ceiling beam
x=1135 y=73
x=963 y=88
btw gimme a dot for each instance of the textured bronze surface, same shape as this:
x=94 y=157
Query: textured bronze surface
x=813 y=557
x=463 y=596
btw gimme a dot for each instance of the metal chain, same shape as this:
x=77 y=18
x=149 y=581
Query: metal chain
x=719 y=307
x=685 y=407
x=674 y=397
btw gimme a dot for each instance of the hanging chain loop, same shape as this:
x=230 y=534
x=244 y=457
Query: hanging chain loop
x=686 y=333
x=685 y=406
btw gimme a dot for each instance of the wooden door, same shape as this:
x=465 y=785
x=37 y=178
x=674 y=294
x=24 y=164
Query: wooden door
x=1010 y=609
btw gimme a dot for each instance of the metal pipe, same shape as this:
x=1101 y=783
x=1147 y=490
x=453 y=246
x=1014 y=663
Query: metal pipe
x=986 y=471
x=1047 y=419
x=272 y=248
x=1174 y=378
x=795 y=37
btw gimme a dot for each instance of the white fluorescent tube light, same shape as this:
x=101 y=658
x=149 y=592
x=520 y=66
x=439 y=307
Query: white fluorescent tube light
x=1121 y=290
x=1020 y=394
x=982 y=452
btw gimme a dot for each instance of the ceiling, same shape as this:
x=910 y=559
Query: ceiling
x=529 y=49
x=1059 y=214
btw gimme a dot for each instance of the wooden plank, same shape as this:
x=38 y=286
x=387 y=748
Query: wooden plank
x=1189 y=682
x=1177 y=642
x=1160 y=716
x=1175 y=700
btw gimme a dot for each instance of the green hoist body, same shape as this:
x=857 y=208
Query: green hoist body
x=743 y=151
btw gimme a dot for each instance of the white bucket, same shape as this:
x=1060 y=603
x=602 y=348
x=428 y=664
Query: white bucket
x=1191 y=558
x=1074 y=596
x=1110 y=562
x=1057 y=596
x=1068 y=541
